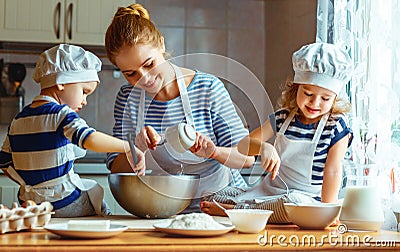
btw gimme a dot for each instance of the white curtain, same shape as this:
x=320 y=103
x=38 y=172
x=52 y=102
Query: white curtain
x=369 y=30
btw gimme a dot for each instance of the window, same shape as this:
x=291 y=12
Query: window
x=368 y=29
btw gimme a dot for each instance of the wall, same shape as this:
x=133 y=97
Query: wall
x=289 y=24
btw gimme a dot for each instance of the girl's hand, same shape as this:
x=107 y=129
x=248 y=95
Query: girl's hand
x=203 y=147
x=140 y=167
x=335 y=223
x=148 y=138
x=270 y=160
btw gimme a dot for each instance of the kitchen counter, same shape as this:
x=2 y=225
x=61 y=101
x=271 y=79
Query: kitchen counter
x=144 y=238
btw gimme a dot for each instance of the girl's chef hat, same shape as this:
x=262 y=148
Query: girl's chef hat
x=322 y=64
x=63 y=64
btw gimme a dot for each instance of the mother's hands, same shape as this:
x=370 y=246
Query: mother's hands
x=148 y=138
x=270 y=160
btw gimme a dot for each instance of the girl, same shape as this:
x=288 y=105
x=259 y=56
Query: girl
x=312 y=136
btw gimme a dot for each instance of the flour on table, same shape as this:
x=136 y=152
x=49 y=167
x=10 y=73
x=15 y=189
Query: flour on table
x=198 y=221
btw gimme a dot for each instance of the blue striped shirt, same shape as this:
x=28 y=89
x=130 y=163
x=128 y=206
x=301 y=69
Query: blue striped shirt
x=40 y=145
x=212 y=109
x=335 y=129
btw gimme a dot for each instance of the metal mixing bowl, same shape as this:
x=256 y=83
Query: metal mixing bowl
x=154 y=195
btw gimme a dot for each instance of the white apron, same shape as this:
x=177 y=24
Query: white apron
x=164 y=159
x=295 y=172
x=47 y=190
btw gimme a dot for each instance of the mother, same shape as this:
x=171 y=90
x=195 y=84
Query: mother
x=159 y=95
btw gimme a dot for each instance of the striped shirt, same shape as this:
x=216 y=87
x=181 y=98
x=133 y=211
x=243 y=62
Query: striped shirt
x=212 y=109
x=41 y=145
x=335 y=129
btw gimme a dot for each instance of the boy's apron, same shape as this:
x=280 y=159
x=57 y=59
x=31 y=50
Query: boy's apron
x=46 y=191
x=164 y=159
x=297 y=157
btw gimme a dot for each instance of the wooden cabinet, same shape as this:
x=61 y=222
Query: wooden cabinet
x=57 y=21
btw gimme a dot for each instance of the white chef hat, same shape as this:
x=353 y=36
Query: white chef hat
x=322 y=64
x=64 y=64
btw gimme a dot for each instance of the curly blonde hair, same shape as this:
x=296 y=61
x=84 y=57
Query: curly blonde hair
x=130 y=26
x=289 y=95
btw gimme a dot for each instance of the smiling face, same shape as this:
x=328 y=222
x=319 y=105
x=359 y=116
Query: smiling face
x=75 y=94
x=314 y=102
x=143 y=65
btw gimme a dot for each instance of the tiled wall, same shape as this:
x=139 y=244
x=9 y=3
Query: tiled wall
x=231 y=28
x=288 y=25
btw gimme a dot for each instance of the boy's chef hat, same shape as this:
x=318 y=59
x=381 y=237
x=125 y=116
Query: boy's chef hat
x=63 y=64
x=322 y=64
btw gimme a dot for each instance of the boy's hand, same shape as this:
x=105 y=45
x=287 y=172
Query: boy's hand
x=203 y=147
x=270 y=160
x=140 y=167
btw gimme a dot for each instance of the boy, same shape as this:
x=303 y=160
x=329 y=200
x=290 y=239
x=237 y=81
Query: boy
x=46 y=137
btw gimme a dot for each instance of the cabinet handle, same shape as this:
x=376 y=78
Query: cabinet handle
x=69 y=17
x=56 y=20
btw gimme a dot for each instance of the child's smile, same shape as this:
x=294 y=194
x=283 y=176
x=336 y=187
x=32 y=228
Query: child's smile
x=313 y=102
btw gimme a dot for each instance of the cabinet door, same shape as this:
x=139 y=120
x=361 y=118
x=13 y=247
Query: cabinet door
x=32 y=21
x=8 y=191
x=86 y=21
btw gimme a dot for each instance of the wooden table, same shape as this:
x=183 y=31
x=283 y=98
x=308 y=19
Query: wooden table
x=274 y=237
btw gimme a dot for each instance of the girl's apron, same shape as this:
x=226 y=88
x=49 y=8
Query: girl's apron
x=164 y=159
x=295 y=172
x=56 y=189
